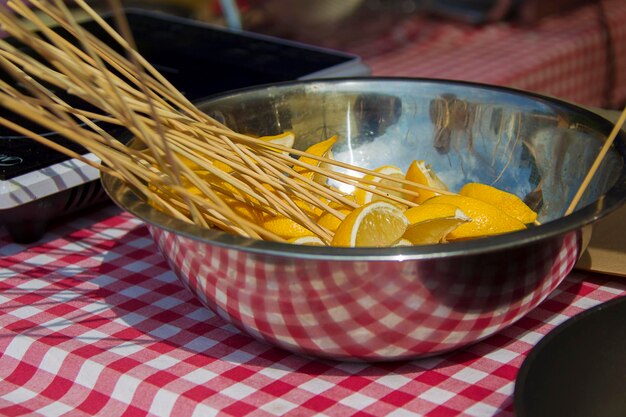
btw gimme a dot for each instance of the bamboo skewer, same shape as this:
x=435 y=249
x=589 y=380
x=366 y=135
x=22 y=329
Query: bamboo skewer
x=177 y=144
x=596 y=163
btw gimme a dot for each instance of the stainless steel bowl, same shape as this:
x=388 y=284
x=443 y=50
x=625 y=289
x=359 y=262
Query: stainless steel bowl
x=401 y=302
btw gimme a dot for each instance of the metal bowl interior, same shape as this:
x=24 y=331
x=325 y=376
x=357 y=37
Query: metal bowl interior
x=402 y=302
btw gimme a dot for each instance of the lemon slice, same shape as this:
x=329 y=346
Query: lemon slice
x=285 y=227
x=507 y=202
x=378 y=224
x=431 y=223
x=421 y=173
x=307 y=240
x=285 y=139
x=331 y=222
x=487 y=220
x=323 y=149
x=362 y=196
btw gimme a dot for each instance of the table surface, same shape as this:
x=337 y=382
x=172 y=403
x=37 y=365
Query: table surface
x=92 y=322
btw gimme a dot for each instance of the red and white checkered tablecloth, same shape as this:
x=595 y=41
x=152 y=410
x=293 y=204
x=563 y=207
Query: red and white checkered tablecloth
x=578 y=56
x=92 y=322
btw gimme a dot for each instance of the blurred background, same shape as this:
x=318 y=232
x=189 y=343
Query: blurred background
x=572 y=49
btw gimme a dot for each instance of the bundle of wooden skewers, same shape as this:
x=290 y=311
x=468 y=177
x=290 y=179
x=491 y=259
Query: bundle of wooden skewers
x=176 y=146
x=173 y=139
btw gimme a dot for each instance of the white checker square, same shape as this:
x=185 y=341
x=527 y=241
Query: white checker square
x=65 y=296
x=41 y=259
x=89 y=373
x=103 y=280
x=585 y=303
x=167 y=303
x=162 y=362
x=70 y=270
x=200 y=344
x=436 y=395
x=471 y=376
x=200 y=314
x=203 y=410
x=19 y=395
x=126 y=348
x=165 y=331
x=238 y=391
x=502 y=355
x=96 y=307
x=316 y=386
x=274 y=372
x=531 y=337
x=33 y=284
x=481 y=409
x=238 y=356
x=167 y=276
x=92 y=336
x=25 y=312
x=137 y=266
x=163 y=402
x=507 y=389
x=55 y=409
x=18 y=347
x=399 y=412
x=358 y=401
x=129 y=319
x=125 y=388
x=393 y=381
x=135 y=291
x=278 y=407
x=140 y=243
x=52 y=360
x=200 y=376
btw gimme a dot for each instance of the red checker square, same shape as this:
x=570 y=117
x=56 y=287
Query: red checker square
x=199 y=393
x=239 y=409
x=134 y=411
x=442 y=411
x=318 y=404
x=54 y=339
x=397 y=398
x=355 y=383
x=21 y=374
x=161 y=378
x=124 y=364
x=57 y=388
x=278 y=388
x=238 y=374
x=94 y=402
x=508 y=372
x=15 y=410
x=431 y=378
x=475 y=392
x=88 y=351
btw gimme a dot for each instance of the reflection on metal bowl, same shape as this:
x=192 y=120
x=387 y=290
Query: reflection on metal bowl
x=401 y=302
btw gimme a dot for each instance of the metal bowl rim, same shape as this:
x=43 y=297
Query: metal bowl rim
x=129 y=201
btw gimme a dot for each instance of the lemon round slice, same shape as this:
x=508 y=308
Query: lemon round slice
x=505 y=201
x=487 y=220
x=378 y=224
